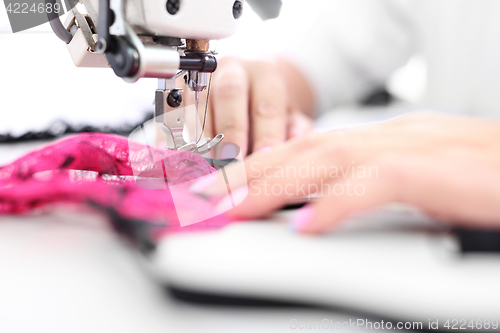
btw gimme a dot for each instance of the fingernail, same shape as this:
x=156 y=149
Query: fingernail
x=302 y=218
x=204 y=183
x=230 y=201
x=263 y=150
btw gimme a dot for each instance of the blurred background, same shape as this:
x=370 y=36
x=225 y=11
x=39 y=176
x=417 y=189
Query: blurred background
x=40 y=83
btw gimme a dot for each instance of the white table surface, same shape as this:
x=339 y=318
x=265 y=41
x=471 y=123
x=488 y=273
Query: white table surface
x=68 y=273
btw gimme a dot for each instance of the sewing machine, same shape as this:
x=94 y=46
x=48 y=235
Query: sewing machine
x=153 y=39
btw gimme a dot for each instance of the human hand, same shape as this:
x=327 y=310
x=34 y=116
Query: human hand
x=448 y=166
x=258 y=104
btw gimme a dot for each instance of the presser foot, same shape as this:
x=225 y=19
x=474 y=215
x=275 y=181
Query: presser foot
x=174 y=141
x=202 y=147
x=170 y=117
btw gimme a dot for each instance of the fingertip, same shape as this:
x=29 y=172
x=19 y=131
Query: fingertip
x=302 y=218
x=236 y=139
x=204 y=183
x=232 y=200
x=262 y=148
x=326 y=219
x=300 y=125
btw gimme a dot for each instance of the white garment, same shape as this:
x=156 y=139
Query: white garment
x=354 y=45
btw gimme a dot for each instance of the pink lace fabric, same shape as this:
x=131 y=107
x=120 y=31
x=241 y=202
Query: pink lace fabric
x=98 y=170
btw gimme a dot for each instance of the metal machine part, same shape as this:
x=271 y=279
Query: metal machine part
x=169 y=114
x=153 y=39
x=82 y=46
x=170 y=117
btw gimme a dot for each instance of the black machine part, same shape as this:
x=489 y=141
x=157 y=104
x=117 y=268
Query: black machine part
x=478 y=241
x=124 y=58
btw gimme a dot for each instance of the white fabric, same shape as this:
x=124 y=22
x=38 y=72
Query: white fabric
x=393 y=263
x=354 y=46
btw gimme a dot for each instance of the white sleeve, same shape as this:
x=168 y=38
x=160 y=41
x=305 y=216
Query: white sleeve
x=351 y=47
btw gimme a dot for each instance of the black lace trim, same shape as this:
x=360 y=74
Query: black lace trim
x=60 y=128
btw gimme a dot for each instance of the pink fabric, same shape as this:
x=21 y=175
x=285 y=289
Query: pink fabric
x=99 y=168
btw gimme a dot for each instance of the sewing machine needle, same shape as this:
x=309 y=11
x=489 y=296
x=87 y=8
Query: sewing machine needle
x=196 y=101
